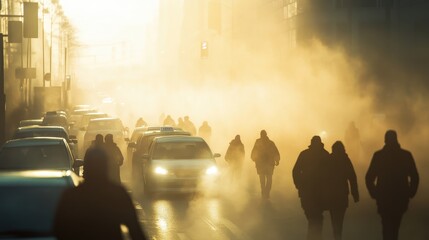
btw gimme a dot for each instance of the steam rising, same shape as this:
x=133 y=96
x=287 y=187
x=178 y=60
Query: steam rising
x=293 y=94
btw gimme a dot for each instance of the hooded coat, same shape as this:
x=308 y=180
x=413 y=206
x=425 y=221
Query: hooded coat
x=265 y=155
x=392 y=178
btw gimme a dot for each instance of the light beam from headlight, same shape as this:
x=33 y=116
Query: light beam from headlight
x=160 y=171
x=212 y=170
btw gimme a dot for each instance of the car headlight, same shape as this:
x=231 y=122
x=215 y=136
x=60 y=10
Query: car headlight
x=160 y=171
x=212 y=170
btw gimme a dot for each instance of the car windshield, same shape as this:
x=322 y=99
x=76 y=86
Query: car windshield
x=114 y=125
x=55 y=121
x=34 y=158
x=29 y=134
x=182 y=150
x=28 y=209
x=87 y=118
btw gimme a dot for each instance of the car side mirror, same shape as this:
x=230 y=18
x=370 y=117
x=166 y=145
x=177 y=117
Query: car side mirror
x=217 y=155
x=73 y=141
x=132 y=145
x=127 y=139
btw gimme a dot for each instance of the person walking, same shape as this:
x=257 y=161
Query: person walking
x=265 y=155
x=205 y=131
x=189 y=126
x=310 y=178
x=97 y=208
x=235 y=157
x=392 y=180
x=341 y=174
x=116 y=159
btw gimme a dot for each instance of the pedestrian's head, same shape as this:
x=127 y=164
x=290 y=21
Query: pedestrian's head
x=108 y=138
x=205 y=123
x=180 y=120
x=264 y=134
x=316 y=141
x=391 y=138
x=237 y=138
x=95 y=165
x=186 y=118
x=98 y=138
x=338 y=147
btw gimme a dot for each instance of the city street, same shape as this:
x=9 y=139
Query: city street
x=239 y=213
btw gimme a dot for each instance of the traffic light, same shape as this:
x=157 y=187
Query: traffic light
x=204 y=49
x=31 y=20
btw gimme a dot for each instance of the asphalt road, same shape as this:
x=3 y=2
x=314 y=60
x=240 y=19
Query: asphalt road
x=236 y=211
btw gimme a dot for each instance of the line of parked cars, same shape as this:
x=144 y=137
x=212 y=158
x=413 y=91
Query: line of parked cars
x=41 y=161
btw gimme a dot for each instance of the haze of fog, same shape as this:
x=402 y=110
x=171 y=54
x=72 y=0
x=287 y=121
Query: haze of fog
x=293 y=93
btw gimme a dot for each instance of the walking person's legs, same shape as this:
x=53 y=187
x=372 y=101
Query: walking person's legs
x=337 y=220
x=262 y=181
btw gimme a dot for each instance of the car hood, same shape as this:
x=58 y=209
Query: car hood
x=184 y=163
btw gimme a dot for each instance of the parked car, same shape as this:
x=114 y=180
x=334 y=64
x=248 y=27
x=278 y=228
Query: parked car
x=40 y=153
x=178 y=163
x=30 y=122
x=106 y=126
x=47 y=131
x=55 y=119
x=28 y=201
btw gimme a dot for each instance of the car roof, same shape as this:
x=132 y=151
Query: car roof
x=41 y=128
x=32 y=120
x=38 y=178
x=95 y=114
x=104 y=119
x=36 y=141
x=164 y=139
x=159 y=132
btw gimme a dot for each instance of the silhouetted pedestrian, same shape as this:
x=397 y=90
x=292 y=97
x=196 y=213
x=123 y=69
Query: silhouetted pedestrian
x=352 y=141
x=141 y=123
x=116 y=159
x=205 y=131
x=169 y=121
x=392 y=179
x=341 y=174
x=180 y=123
x=235 y=156
x=189 y=126
x=310 y=178
x=98 y=142
x=97 y=208
x=265 y=155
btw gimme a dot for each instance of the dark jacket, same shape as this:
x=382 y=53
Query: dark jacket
x=265 y=155
x=341 y=174
x=235 y=152
x=93 y=211
x=310 y=173
x=116 y=159
x=392 y=178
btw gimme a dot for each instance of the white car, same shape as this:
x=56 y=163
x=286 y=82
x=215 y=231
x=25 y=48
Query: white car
x=105 y=126
x=179 y=164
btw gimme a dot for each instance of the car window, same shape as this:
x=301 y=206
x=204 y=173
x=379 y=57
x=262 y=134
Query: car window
x=115 y=125
x=28 y=208
x=29 y=134
x=34 y=158
x=181 y=150
x=55 y=121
